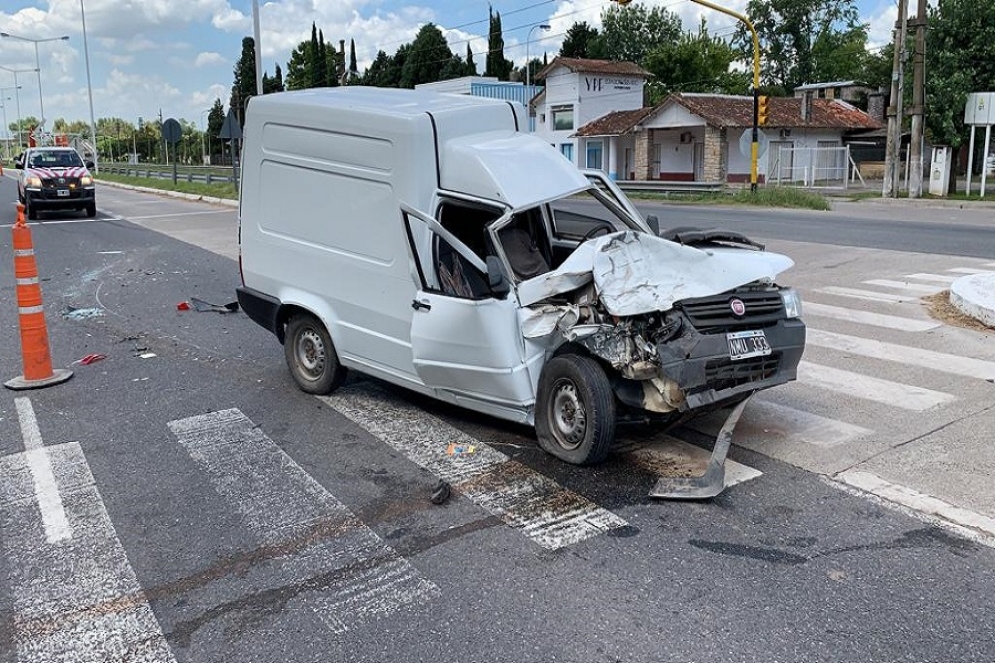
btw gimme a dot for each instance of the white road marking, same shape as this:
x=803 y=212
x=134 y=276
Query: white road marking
x=280 y=503
x=968 y=270
x=869 y=295
x=58 y=222
x=53 y=513
x=179 y=214
x=936 y=361
x=78 y=599
x=939 y=278
x=544 y=511
x=765 y=420
x=896 y=394
x=902 y=285
x=869 y=318
x=967 y=523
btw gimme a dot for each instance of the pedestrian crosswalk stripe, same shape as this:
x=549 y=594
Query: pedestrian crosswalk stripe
x=936 y=361
x=548 y=514
x=76 y=599
x=968 y=270
x=765 y=423
x=869 y=317
x=866 y=294
x=280 y=502
x=903 y=285
x=938 y=278
x=896 y=394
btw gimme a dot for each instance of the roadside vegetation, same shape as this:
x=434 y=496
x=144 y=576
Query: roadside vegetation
x=214 y=190
x=764 y=197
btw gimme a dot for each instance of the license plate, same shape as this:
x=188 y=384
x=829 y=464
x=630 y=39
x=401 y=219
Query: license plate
x=63 y=193
x=746 y=344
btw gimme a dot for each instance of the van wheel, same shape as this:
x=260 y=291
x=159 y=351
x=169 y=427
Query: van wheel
x=311 y=356
x=575 y=410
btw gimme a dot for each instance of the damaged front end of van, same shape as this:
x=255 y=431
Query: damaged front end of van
x=680 y=329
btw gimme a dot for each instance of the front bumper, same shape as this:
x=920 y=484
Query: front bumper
x=49 y=198
x=698 y=367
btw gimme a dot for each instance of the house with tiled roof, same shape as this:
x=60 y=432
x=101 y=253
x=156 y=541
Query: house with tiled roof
x=581 y=91
x=700 y=137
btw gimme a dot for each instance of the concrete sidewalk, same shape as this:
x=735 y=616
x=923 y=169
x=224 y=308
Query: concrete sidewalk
x=974 y=295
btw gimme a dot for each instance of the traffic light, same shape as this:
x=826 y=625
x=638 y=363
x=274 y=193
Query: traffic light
x=762 y=110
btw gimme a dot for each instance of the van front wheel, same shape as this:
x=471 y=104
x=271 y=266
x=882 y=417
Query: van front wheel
x=311 y=356
x=575 y=410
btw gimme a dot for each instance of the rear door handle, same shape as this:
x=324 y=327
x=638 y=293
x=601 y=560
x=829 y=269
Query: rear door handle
x=421 y=305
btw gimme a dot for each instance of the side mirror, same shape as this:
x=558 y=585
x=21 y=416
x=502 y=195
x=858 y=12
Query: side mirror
x=89 y=165
x=495 y=278
x=653 y=221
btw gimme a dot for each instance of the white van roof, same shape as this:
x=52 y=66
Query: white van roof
x=482 y=150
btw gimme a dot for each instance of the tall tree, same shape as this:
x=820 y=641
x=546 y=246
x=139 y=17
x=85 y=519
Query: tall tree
x=796 y=37
x=319 y=59
x=244 y=85
x=582 y=41
x=697 y=62
x=471 y=66
x=630 y=32
x=299 y=67
x=215 y=118
x=496 y=65
x=959 y=60
x=353 y=69
x=429 y=54
x=377 y=73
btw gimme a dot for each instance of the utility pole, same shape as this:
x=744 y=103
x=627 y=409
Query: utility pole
x=918 y=102
x=893 y=150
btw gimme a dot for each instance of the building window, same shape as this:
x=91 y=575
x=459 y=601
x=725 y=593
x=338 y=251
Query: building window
x=563 y=118
x=595 y=152
x=567 y=150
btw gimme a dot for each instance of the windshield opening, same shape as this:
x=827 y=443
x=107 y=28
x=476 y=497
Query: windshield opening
x=55 y=159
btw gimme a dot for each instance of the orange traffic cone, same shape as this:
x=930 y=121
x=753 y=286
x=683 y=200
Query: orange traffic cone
x=34 y=335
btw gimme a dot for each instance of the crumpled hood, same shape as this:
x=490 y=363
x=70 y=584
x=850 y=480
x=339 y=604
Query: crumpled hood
x=636 y=273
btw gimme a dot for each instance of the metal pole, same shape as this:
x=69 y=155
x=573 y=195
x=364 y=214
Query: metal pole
x=41 y=103
x=89 y=90
x=6 y=129
x=970 y=160
x=17 y=101
x=918 y=99
x=257 y=47
x=984 y=158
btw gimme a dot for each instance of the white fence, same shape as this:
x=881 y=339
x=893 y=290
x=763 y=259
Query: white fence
x=824 y=167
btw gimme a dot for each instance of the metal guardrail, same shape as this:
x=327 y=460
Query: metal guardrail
x=667 y=187
x=207 y=174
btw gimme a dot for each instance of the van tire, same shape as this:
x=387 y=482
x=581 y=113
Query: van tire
x=575 y=410
x=311 y=356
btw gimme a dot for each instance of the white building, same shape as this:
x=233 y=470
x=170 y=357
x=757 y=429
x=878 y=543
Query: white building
x=578 y=92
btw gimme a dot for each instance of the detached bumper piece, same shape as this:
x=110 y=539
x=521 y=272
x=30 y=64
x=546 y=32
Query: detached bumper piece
x=712 y=482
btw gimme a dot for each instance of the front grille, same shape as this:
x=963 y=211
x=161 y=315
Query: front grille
x=725 y=374
x=713 y=314
x=53 y=184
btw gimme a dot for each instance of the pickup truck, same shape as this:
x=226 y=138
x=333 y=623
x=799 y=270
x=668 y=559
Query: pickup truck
x=55 y=178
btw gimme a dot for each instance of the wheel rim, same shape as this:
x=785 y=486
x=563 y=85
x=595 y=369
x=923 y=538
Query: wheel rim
x=567 y=415
x=310 y=353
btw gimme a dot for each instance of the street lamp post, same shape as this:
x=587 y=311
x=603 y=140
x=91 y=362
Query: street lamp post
x=203 y=133
x=528 y=77
x=41 y=103
x=17 y=100
x=89 y=89
x=528 y=72
x=6 y=127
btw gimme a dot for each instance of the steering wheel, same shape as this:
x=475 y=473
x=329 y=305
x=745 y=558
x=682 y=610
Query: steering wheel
x=593 y=232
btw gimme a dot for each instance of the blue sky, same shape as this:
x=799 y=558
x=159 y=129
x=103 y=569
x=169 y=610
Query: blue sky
x=177 y=55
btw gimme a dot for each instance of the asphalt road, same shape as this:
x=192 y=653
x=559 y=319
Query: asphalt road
x=215 y=513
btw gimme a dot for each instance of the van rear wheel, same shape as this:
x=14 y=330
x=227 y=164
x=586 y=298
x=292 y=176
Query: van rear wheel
x=575 y=410
x=311 y=356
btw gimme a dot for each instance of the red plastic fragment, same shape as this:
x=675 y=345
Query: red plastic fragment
x=183 y=306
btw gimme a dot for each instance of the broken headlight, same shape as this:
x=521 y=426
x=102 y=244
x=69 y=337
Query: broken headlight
x=792 y=303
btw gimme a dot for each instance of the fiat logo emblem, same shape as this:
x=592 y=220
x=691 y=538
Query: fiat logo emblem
x=738 y=307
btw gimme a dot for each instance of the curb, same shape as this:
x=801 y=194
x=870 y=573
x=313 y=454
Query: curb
x=974 y=295
x=171 y=194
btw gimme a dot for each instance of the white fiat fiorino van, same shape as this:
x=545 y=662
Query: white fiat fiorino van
x=424 y=239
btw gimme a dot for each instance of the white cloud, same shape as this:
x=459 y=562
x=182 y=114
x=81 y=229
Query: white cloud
x=120 y=60
x=208 y=59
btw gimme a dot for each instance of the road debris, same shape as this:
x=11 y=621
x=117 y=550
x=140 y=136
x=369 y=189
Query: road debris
x=183 y=306
x=73 y=313
x=201 y=306
x=441 y=492
x=90 y=359
x=455 y=449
